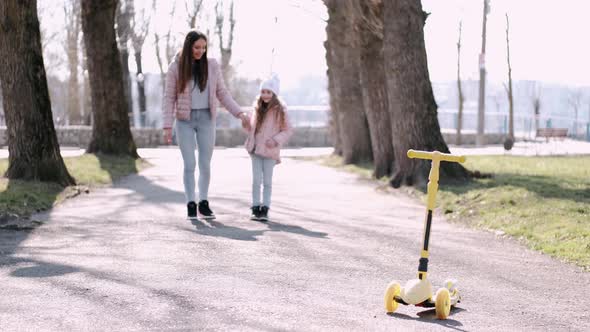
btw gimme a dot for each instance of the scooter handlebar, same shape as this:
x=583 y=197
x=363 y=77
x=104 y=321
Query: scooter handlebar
x=435 y=155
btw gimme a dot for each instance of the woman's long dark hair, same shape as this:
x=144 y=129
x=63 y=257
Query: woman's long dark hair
x=262 y=108
x=189 y=67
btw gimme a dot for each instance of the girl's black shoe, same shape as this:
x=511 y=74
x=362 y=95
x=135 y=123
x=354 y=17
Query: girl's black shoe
x=255 y=213
x=263 y=213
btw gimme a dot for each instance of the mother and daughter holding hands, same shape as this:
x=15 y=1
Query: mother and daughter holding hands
x=194 y=83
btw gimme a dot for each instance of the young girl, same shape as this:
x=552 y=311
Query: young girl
x=269 y=130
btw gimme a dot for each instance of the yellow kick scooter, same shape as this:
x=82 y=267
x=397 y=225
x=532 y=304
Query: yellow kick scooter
x=419 y=291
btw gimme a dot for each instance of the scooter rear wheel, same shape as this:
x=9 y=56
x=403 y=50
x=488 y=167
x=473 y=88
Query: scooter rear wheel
x=442 y=303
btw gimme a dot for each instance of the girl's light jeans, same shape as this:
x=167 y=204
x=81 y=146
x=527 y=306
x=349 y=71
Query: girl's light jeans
x=261 y=176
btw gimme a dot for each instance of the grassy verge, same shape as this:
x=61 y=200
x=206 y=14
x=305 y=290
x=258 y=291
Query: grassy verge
x=543 y=201
x=22 y=198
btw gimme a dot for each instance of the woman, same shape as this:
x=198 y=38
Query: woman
x=192 y=84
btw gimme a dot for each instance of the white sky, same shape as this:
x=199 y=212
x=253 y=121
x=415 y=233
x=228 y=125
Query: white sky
x=549 y=39
x=297 y=37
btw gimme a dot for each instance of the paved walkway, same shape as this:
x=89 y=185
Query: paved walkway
x=124 y=258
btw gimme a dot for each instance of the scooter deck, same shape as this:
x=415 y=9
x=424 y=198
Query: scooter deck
x=428 y=303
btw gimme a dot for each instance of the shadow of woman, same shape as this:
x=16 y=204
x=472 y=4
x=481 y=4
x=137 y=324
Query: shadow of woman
x=218 y=229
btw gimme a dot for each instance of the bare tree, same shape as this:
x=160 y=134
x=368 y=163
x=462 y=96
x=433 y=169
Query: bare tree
x=509 y=141
x=344 y=64
x=171 y=44
x=411 y=100
x=193 y=11
x=480 y=137
x=86 y=95
x=459 y=88
x=110 y=130
x=32 y=142
x=139 y=29
x=125 y=12
x=373 y=86
x=72 y=20
x=574 y=100
x=535 y=95
x=168 y=47
x=50 y=36
x=157 y=49
x=226 y=50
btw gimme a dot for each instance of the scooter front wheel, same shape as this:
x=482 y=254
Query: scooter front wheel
x=442 y=303
x=393 y=289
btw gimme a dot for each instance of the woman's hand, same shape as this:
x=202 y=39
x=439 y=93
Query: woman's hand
x=167 y=135
x=271 y=143
x=245 y=121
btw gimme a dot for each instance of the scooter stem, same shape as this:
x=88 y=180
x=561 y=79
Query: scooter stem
x=431 y=191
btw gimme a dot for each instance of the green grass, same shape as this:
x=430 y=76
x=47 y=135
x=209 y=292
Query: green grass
x=542 y=201
x=26 y=197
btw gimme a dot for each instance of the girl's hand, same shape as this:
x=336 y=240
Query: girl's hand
x=271 y=143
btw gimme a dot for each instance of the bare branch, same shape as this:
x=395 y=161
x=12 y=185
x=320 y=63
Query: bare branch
x=139 y=28
x=219 y=22
x=232 y=24
x=296 y=4
x=194 y=13
x=158 y=52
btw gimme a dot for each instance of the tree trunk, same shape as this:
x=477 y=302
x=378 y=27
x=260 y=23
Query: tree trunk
x=124 y=55
x=345 y=59
x=509 y=89
x=110 y=128
x=160 y=60
x=86 y=95
x=411 y=100
x=73 y=111
x=334 y=121
x=536 y=100
x=373 y=86
x=141 y=89
x=480 y=138
x=2 y=121
x=140 y=24
x=32 y=142
x=123 y=17
x=459 y=88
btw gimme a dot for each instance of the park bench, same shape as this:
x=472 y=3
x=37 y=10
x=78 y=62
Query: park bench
x=552 y=132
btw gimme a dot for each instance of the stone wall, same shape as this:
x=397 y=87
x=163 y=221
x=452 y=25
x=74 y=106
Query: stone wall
x=229 y=137
x=79 y=136
x=469 y=138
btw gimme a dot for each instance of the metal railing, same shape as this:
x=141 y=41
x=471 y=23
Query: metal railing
x=525 y=126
